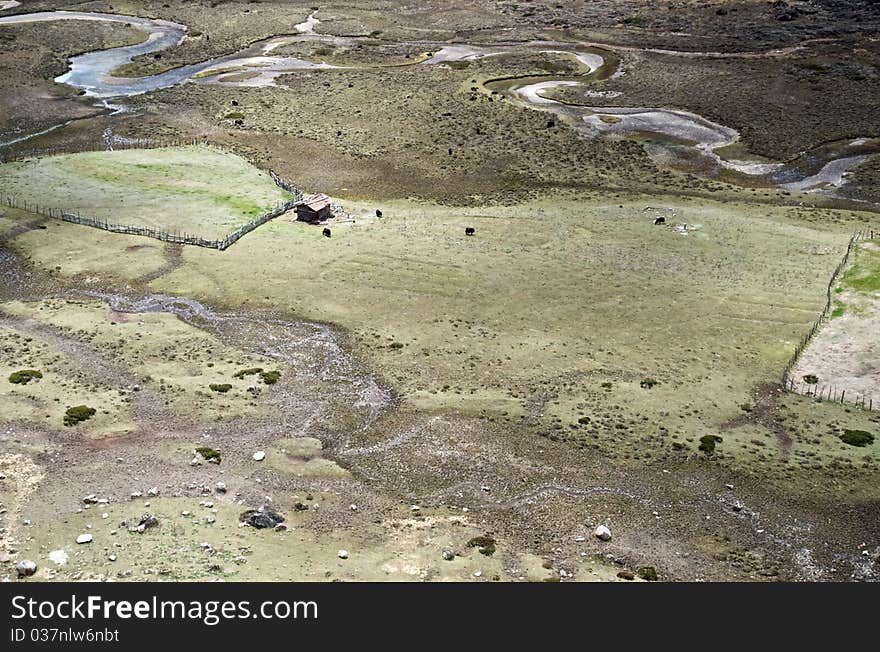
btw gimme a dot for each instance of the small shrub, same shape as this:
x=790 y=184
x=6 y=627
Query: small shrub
x=647 y=573
x=220 y=387
x=485 y=543
x=648 y=383
x=857 y=437
x=24 y=376
x=234 y=115
x=247 y=372
x=708 y=442
x=208 y=453
x=811 y=379
x=270 y=377
x=78 y=413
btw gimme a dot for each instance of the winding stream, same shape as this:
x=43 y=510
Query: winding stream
x=671 y=136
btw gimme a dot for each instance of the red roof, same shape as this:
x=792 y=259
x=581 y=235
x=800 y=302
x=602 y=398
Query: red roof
x=317 y=202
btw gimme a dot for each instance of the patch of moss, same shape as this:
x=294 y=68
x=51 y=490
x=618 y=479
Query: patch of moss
x=270 y=377
x=220 y=387
x=857 y=437
x=78 y=413
x=209 y=453
x=708 y=442
x=24 y=376
x=485 y=543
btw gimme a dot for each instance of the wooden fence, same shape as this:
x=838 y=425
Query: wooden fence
x=165 y=236
x=826 y=392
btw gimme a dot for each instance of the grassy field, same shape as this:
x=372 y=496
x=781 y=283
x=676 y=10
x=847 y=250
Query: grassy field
x=195 y=190
x=580 y=318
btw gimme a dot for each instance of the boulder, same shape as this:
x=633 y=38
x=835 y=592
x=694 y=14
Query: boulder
x=261 y=518
x=26 y=568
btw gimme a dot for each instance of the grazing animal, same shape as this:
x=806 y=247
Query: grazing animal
x=469 y=230
x=326 y=233
x=660 y=220
x=378 y=213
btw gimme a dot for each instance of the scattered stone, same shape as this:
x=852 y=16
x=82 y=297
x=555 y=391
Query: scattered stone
x=26 y=568
x=84 y=538
x=153 y=492
x=281 y=527
x=603 y=533
x=448 y=555
x=220 y=487
x=342 y=554
x=626 y=575
x=112 y=557
x=91 y=499
x=58 y=557
x=197 y=460
x=259 y=456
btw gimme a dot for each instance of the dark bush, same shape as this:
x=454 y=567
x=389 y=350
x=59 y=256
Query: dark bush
x=78 y=413
x=707 y=443
x=857 y=437
x=485 y=543
x=220 y=387
x=270 y=377
x=24 y=376
x=208 y=453
x=647 y=573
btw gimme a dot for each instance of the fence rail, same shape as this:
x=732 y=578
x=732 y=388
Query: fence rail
x=165 y=236
x=826 y=392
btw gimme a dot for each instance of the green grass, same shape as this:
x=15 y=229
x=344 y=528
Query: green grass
x=864 y=275
x=197 y=190
x=24 y=376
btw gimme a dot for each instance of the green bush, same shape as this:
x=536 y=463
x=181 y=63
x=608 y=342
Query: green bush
x=220 y=387
x=647 y=573
x=247 y=372
x=24 y=376
x=270 y=377
x=78 y=413
x=707 y=443
x=208 y=453
x=857 y=437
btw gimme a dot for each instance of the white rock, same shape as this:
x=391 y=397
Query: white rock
x=220 y=487
x=259 y=456
x=603 y=533
x=448 y=555
x=112 y=557
x=342 y=554
x=26 y=568
x=84 y=538
x=58 y=557
x=154 y=491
